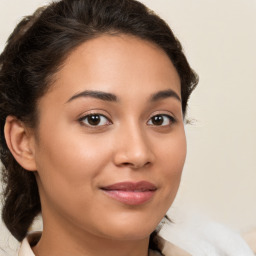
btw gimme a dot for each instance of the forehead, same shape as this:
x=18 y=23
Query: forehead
x=120 y=64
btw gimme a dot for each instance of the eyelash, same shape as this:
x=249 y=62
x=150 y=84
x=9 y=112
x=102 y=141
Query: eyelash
x=98 y=118
x=171 y=120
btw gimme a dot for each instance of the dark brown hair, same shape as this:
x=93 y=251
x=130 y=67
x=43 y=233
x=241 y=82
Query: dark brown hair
x=35 y=51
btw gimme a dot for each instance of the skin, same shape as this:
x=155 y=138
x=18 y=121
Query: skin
x=74 y=159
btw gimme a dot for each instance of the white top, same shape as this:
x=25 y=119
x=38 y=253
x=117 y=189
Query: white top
x=32 y=239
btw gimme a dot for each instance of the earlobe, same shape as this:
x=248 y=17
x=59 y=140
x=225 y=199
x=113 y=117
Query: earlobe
x=20 y=142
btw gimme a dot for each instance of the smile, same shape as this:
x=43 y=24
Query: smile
x=131 y=193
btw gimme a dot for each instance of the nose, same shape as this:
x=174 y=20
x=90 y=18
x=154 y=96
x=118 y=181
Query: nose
x=133 y=149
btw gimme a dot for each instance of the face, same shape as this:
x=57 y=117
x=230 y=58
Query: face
x=110 y=144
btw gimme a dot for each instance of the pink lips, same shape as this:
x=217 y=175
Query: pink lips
x=131 y=193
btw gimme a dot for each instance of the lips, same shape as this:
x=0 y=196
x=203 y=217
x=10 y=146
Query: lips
x=131 y=193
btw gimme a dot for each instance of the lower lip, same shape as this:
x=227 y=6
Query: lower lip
x=130 y=197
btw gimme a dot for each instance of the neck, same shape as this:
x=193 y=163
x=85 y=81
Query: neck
x=62 y=240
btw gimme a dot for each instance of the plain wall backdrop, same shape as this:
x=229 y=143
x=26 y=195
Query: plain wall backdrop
x=219 y=39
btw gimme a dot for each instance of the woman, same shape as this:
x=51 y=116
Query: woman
x=93 y=102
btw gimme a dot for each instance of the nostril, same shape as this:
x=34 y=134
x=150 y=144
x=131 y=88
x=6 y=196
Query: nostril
x=136 y=166
x=129 y=157
x=127 y=164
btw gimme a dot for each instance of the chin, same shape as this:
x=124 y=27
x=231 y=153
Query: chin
x=132 y=230
x=136 y=234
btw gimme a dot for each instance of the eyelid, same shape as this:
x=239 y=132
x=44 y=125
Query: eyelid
x=164 y=113
x=94 y=112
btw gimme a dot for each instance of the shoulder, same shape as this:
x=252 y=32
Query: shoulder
x=203 y=237
x=250 y=238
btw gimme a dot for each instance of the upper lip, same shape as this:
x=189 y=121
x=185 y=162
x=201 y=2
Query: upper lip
x=131 y=186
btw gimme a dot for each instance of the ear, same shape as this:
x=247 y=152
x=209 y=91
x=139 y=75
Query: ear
x=20 y=141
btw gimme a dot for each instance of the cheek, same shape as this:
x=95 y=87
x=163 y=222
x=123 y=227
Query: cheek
x=68 y=172
x=66 y=166
x=172 y=153
x=172 y=158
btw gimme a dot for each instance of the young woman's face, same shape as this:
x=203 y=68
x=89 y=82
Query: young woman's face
x=110 y=144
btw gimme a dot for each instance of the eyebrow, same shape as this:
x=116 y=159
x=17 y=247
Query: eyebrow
x=95 y=94
x=105 y=96
x=165 y=94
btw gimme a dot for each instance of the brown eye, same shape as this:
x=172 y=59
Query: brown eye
x=161 y=120
x=95 y=120
x=157 y=120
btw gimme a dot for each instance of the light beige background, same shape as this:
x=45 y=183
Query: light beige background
x=219 y=38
